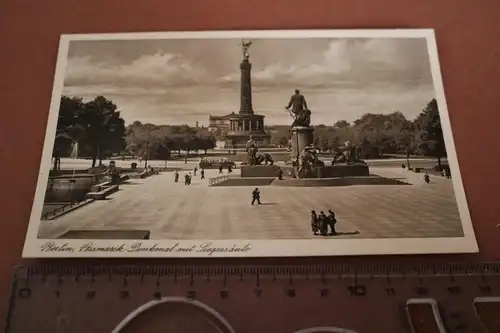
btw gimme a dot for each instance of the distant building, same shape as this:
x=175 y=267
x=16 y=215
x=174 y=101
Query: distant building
x=219 y=124
x=220 y=144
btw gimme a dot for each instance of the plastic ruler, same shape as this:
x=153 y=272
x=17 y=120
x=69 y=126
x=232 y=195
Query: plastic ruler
x=438 y=298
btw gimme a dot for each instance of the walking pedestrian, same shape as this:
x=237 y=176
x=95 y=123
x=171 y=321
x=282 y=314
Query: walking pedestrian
x=256 y=196
x=427 y=178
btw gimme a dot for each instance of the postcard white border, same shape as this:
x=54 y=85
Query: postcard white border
x=258 y=248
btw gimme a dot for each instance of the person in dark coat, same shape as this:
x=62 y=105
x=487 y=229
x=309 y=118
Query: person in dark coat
x=220 y=169
x=256 y=196
x=323 y=223
x=176 y=176
x=113 y=172
x=331 y=222
x=427 y=178
x=314 y=222
x=202 y=173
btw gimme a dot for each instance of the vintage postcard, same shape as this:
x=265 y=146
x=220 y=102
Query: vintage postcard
x=249 y=144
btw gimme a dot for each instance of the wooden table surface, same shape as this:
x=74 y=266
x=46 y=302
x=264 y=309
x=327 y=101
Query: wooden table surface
x=468 y=37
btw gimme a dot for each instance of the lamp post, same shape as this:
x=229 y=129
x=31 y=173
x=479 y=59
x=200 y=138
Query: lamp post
x=297 y=146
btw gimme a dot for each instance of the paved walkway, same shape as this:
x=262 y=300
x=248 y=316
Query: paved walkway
x=174 y=211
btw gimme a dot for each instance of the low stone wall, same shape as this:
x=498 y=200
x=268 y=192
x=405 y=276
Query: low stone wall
x=344 y=170
x=259 y=171
x=250 y=182
x=333 y=171
x=340 y=181
x=277 y=156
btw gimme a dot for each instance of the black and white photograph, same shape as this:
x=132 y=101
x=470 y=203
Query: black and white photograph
x=249 y=144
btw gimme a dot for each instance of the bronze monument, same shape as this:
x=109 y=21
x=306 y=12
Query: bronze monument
x=253 y=158
x=304 y=157
x=299 y=111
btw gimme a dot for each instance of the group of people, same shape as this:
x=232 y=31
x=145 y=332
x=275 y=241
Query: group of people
x=229 y=169
x=320 y=223
x=445 y=172
x=188 y=176
x=152 y=171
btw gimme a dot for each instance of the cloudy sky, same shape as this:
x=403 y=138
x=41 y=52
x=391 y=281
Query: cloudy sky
x=183 y=81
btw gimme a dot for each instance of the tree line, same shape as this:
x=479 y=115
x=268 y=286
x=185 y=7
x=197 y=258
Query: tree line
x=101 y=133
x=380 y=134
x=150 y=141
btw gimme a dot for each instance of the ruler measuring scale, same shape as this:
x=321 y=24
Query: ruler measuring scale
x=391 y=299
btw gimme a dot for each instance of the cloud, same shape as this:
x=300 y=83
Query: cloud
x=352 y=63
x=147 y=71
x=183 y=81
x=341 y=62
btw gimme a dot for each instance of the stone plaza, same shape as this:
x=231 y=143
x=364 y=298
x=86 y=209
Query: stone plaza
x=174 y=211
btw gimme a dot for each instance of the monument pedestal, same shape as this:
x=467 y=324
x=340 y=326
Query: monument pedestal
x=302 y=136
x=259 y=171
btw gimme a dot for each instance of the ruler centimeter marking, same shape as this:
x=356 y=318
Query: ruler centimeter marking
x=431 y=298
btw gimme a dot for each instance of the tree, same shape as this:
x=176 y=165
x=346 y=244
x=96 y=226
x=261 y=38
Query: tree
x=145 y=140
x=68 y=129
x=431 y=132
x=207 y=142
x=341 y=124
x=188 y=143
x=104 y=128
x=95 y=125
x=283 y=140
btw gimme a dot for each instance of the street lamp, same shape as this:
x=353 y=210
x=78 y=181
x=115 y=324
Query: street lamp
x=297 y=145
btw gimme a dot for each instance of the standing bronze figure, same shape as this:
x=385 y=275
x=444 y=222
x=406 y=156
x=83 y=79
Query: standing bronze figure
x=297 y=106
x=252 y=148
x=245 y=45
